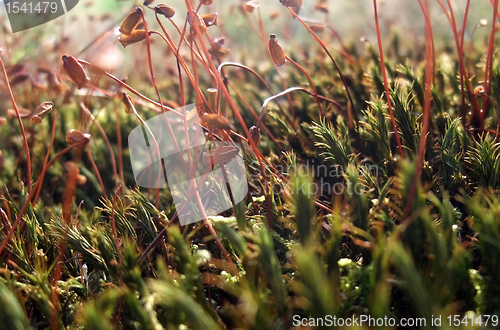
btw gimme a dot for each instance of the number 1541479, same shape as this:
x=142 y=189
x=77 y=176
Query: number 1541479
x=16 y=7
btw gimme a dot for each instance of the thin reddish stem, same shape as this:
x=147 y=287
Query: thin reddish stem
x=113 y=228
x=322 y=44
x=47 y=155
x=30 y=197
x=25 y=140
x=238 y=65
x=120 y=151
x=321 y=112
x=386 y=82
x=106 y=141
x=96 y=170
x=463 y=75
x=488 y=74
x=429 y=54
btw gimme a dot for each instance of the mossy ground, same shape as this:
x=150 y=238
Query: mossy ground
x=335 y=222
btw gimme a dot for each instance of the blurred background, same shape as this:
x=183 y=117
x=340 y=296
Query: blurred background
x=351 y=18
x=90 y=29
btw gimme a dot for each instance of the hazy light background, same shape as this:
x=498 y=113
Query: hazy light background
x=348 y=16
x=353 y=19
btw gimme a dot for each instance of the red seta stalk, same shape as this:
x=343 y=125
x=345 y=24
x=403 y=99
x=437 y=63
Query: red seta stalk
x=488 y=74
x=30 y=197
x=25 y=140
x=386 y=83
x=429 y=69
x=464 y=80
